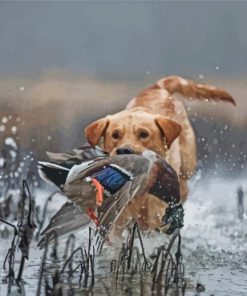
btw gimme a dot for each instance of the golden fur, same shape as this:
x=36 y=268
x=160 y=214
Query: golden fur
x=158 y=121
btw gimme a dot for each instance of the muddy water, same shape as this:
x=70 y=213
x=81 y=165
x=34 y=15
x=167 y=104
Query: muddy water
x=214 y=246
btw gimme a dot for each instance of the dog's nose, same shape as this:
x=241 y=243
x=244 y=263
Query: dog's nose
x=125 y=150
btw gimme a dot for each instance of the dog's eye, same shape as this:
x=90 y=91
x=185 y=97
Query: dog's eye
x=115 y=135
x=143 y=135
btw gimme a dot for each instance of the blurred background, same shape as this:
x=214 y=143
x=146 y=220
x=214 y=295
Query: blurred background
x=65 y=64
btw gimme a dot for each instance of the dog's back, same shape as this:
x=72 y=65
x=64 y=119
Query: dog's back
x=159 y=99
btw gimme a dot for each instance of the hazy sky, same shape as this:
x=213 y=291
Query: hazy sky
x=123 y=40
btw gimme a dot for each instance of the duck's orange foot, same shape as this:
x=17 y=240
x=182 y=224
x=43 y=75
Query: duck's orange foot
x=92 y=216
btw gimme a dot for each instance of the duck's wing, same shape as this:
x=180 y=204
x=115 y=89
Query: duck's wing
x=68 y=219
x=53 y=173
x=87 y=152
x=122 y=179
x=58 y=174
x=112 y=173
x=113 y=206
x=78 y=155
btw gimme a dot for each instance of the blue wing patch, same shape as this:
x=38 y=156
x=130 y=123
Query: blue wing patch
x=112 y=178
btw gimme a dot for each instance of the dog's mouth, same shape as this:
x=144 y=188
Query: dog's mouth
x=126 y=150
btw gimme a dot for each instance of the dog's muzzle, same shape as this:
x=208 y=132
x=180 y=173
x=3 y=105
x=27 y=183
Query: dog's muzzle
x=125 y=150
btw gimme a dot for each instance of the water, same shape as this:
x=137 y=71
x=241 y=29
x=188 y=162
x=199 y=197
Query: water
x=214 y=246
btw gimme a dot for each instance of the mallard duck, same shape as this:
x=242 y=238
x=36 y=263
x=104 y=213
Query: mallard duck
x=100 y=186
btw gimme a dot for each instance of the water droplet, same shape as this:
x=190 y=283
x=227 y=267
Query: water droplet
x=4 y=120
x=11 y=142
x=14 y=129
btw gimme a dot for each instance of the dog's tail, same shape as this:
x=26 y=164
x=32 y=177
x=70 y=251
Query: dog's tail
x=191 y=89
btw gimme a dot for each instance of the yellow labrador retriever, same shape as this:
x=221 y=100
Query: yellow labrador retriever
x=158 y=121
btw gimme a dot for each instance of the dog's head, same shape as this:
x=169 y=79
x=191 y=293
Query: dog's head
x=132 y=131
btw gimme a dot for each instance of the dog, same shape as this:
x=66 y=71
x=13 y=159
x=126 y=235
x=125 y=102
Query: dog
x=156 y=120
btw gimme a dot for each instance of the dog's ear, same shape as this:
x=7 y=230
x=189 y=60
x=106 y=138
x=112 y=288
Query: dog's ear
x=169 y=128
x=96 y=130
